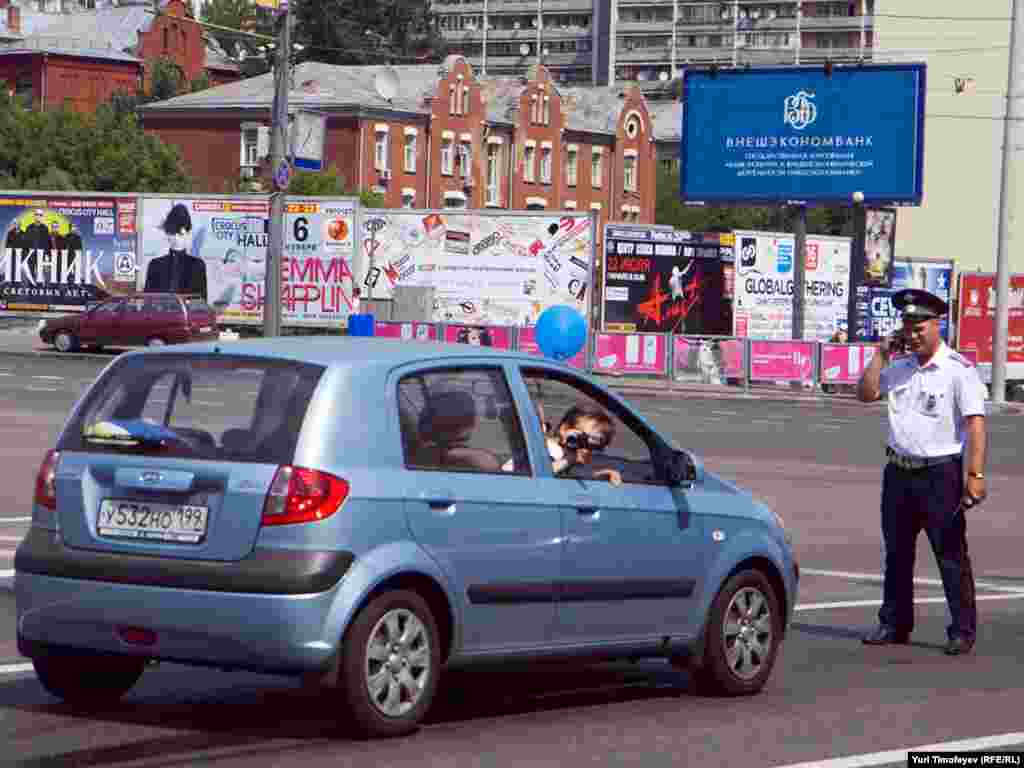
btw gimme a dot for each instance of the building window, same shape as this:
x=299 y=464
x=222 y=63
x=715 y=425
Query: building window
x=454 y=200
x=447 y=157
x=493 y=196
x=166 y=47
x=465 y=100
x=572 y=167
x=465 y=160
x=410 y=153
x=545 y=165
x=534 y=110
x=24 y=90
x=380 y=150
x=408 y=197
x=597 y=169
x=529 y=157
x=255 y=147
x=629 y=173
x=547 y=110
x=451 y=100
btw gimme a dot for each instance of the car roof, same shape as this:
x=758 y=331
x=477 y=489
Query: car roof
x=346 y=351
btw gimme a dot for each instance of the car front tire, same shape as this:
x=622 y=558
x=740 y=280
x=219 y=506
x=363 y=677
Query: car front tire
x=743 y=636
x=391 y=660
x=88 y=680
x=65 y=341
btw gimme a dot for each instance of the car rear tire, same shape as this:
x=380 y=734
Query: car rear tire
x=155 y=341
x=391 y=659
x=743 y=635
x=88 y=680
x=65 y=341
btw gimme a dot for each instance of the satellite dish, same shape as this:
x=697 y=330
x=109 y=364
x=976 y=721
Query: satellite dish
x=385 y=83
x=663 y=77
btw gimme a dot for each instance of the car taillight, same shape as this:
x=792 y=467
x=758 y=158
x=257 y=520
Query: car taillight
x=46 y=481
x=299 y=495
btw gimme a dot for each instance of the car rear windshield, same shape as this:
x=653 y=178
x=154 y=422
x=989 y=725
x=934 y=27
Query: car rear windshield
x=198 y=305
x=213 y=407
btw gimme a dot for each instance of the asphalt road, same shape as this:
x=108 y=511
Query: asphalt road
x=830 y=698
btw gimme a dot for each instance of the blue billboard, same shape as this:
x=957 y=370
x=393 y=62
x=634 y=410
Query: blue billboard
x=876 y=315
x=799 y=135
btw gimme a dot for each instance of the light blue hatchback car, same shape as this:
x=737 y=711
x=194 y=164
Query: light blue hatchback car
x=365 y=512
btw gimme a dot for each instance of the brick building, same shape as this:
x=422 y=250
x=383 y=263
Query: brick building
x=446 y=139
x=57 y=52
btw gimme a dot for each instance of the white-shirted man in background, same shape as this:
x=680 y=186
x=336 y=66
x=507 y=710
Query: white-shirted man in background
x=936 y=407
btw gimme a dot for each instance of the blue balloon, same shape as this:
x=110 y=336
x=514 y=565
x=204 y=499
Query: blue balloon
x=561 y=332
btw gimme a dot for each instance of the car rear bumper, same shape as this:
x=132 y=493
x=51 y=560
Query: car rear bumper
x=83 y=608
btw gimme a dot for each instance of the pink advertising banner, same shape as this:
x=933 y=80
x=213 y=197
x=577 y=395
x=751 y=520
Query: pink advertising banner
x=632 y=353
x=844 y=363
x=528 y=344
x=723 y=357
x=781 y=360
x=388 y=329
x=497 y=336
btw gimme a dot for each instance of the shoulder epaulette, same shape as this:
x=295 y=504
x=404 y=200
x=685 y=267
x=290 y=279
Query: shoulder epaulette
x=961 y=359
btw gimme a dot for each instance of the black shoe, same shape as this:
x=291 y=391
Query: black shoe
x=958 y=645
x=883 y=634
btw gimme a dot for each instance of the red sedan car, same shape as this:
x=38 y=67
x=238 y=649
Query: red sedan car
x=152 y=319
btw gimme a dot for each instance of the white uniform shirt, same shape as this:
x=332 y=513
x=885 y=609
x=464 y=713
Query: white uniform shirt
x=929 y=405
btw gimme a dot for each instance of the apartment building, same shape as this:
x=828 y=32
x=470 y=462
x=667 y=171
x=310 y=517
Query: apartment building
x=598 y=41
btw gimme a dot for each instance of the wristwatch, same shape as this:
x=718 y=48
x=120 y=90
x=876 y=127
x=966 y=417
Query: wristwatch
x=976 y=475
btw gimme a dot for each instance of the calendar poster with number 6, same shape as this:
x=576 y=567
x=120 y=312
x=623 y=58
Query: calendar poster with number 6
x=219 y=245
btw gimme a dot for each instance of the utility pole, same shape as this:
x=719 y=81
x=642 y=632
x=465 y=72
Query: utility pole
x=1009 y=190
x=281 y=168
x=799 y=271
x=675 y=25
x=483 y=58
x=540 y=24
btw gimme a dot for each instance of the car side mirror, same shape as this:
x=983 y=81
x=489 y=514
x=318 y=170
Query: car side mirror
x=683 y=469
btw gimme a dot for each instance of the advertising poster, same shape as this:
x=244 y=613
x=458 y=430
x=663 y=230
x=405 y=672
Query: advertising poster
x=61 y=252
x=876 y=315
x=879 y=246
x=709 y=361
x=388 y=329
x=763 y=291
x=485 y=268
x=976 y=324
x=527 y=343
x=217 y=247
x=645 y=353
x=662 y=281
x=775 y=134
x=844 y=364
x=499 y=337
x=781 y=361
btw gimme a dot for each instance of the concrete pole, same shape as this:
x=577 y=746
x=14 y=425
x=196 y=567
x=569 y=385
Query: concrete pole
x=1009 y=204
x=483 y=57
x=278 y=155
x=799 y=271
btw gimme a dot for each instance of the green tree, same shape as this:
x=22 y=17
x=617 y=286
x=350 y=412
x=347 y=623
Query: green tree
x=105 y=152
x=166 y=80
x=368 y=31
x=670 y=210
x=200 y=83
x=330 y=183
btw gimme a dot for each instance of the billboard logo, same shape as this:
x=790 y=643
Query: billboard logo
x=124 y=265
x=800 y=111
x=748 y=252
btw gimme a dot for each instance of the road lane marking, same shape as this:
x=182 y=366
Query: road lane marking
x=8 y=574
x=50 y=378
x=900 y=755
x=42 y=389
x=11 y=538
x=15 y=520
x=726 y=413
x=207 y=402
x=829 y=427
x=877 y=603
x=924 y=582
x=15 y=669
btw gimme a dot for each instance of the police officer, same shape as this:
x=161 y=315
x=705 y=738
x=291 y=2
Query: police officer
x=936 y=403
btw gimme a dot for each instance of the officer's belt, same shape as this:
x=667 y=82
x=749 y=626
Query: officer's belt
x=911 y=462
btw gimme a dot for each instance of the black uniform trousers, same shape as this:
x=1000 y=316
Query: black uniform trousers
x=928 y=499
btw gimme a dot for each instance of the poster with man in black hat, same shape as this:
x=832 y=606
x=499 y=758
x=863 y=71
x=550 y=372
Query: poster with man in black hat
x=935 y=466
x=178 y=271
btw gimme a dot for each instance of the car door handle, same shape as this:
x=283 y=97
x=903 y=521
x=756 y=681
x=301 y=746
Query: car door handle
x=593 y=513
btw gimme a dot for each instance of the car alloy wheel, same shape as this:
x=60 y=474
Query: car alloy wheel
x=156 y=341
x=743 y=634
x=390 y=663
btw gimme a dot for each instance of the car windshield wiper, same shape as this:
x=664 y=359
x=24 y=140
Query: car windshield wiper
x=131 y=433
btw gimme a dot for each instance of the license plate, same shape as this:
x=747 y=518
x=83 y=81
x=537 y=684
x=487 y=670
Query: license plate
x=180 y=523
